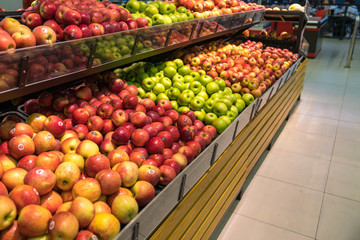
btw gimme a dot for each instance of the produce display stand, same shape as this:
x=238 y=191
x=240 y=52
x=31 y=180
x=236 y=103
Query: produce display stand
x=198 y=214
x=193 y=31
x=192 y=205
x=300 y=18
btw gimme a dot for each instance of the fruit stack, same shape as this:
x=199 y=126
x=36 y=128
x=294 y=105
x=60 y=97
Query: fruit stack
x=89 y=158
x=212 y=101
x=158 y=12
x=211 y=8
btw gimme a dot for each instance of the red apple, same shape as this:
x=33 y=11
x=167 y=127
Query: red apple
x=109 y=180
x=33 y=220
x=44 y=35
x=167 y=174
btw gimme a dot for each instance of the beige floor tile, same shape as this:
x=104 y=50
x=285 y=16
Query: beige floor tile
x=296 y=169
x=344 y=181
x=346 y=152
x=281 y=204
x=348 y=131
x=312 y=145
x=339 y=219
x=241 y=227
x=311 y=124
x=319 y=109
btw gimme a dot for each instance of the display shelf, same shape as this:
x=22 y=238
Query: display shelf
x=151 y=216
x=197 y=215
x=76 y=59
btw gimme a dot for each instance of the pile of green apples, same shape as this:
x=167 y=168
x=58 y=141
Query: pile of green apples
x=158 y=12
x=212 y=101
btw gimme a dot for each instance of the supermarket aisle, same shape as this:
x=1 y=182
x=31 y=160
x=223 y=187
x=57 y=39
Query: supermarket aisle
x=308 y=186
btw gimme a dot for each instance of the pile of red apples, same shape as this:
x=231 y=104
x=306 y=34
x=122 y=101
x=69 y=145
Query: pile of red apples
x=86 y=160
x=248 y=67
x=211 y=8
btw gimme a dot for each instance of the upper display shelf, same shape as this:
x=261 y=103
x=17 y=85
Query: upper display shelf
x=40 y=67
x=283 y=15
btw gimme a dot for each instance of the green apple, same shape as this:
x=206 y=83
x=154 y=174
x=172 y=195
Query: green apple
x=170 y=64
x=234 y=109
x=150 y=24
x=179 y=63
x=178 y=78
x=248 y=98
x=190 y=15
x=158 y=19
x=210 y=118
x=195 y=86
x=166 y=82
x=164 y=8
x=184 y=16
x=202 y=72
x=172 y=7
x=190 y=92
x=184 y=98
x=142 y=7
x=221 y=83
x=220 y=108
x=174 y=105
x=206 y=79
x=141 y=92
x=151 y=10
x=188 y=79
x=120 y=41
x=220 y=125
x=231 y=115
x=184 y=70
x=159 y=75
x=148 y=83
x=227 y=90
x=240 y=105
x=125 y=50
x=200 y=115
x=216 y=96
x=133 y=6
x=179 y=85
x=158 y=88
x=178 y=16
x=183 y=109
x=209 y=104
x=173 y=17
x=155 y=4
x=196 y=104
x=237 y=95
x=187 y=85
x=212 y=87
x=181 y=9
x=142 y=76
x=227 y=119
x=135 y=15
x=161 y=96
x=173 y=93
x=226 y=101
x=167 y=19
x=170 y=72
x=203 y=94
x=195 y=75
x=151 y=95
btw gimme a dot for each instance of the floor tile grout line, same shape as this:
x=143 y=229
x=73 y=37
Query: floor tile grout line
x=269 y=224
x=346 y=198
x=294 y=184
x=329 y=166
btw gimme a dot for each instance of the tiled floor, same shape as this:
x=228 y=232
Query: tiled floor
x=308 y=185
